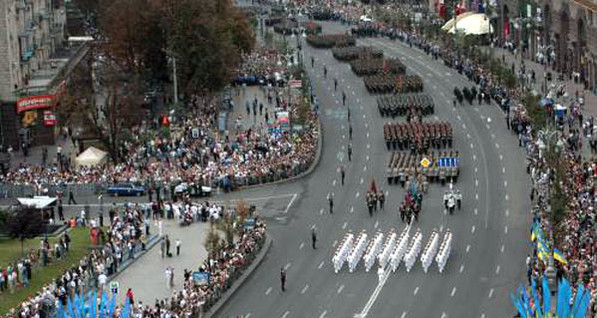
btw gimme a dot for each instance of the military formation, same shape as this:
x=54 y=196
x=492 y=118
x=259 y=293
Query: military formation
x=327 y=41
x=350 y=53
x=404 y=167
x=386 y=83
x=470 y=95
x=409 y=105
x=368 y=66
x=418 y=136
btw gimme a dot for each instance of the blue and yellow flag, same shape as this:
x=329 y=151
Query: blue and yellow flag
x=559 y=256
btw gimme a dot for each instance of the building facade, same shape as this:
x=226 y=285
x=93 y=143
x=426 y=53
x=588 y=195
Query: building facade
x=32 y=33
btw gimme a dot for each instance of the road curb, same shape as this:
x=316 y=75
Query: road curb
x=236 y=285
x=307 y=172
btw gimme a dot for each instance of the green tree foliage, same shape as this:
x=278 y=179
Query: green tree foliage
x=24 y=223
x=537 y=113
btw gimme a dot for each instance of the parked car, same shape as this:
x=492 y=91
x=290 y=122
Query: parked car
x=126 y=189
x=193 y=190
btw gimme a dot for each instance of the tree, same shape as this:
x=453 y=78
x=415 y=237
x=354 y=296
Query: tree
x=24 y=223
x=212 y=241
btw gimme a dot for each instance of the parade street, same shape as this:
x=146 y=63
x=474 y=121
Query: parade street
x=487 y=259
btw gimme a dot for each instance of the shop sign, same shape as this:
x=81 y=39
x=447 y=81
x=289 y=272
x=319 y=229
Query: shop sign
x=35 y=102
x=49 y=118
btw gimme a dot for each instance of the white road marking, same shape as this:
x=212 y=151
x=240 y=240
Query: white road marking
x=302 y=245
x=269 y=290
x=503 y=248
x=334 y=183
x=343 y=136
x=441 y=227
x=290 y=203
x=482 y=315
x=501 y=157
x=492 y=136
x=367 y=135
x=497 y=145
x=476 y=211
x=505 y=183
x=486 y=125
x=365 y=168
x=453 y=292
x=357 y=195
x=367 y=158
x=286 y=314
x=476 y=182
x=376 y=224
x=468 y=247
x=461 y=268
x=472 y=146
x=287 y=266
x=476 y=196
x=434 y=87
x=474 y=158
x=403 y=314
x=473 y=230
x=305 y=289
x=490 y=293
x=248 y=315
x=340 y=289
x=507 y=197
x=361 y=181
x=497 y=269
x=506 y=229
x=353 y=93
x=444 y=315
x=320 y=265
x=344 y=225
x=364 y=116
x=321 y=211
x=352 y=209
x=504 y=170
x=325 y=312
x=458 y=116
x=464 y=126
x=468 y=136
x=507 y=213
x=416 y=290
x=476 y=170
x=368 y=146
x=335 y=243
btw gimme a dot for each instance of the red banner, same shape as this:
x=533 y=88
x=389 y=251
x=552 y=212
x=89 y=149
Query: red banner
x=35 y=102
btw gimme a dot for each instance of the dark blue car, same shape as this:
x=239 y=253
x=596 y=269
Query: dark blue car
x=126 y=189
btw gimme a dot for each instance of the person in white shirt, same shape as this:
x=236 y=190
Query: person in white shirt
x=102 y=279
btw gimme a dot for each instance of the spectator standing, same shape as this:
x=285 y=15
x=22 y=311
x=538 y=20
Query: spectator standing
x=177 y=243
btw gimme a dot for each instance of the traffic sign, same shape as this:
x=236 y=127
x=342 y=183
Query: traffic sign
x=425 y=162
x=114 y=287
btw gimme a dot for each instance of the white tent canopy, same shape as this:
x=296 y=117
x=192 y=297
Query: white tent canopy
x=91 y=157
x=459 y=18
x=474 y=24
x=38 y=202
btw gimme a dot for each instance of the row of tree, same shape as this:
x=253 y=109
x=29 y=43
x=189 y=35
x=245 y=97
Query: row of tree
x=136 y=42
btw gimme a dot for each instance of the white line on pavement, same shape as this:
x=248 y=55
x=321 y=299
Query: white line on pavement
x=468 y=136
x=501 y=157
x=287 y=266
x=490 y=293
x=468 y=247
x=376 y=224
x=473 y=230
x=321 y=211
x=497 y=145
x=334 y=183
x=344 y=225
x=320 y=265
x=505 y=183
x=476 y=196
x=335 y=243
x=357 y=195
x=503 y=248
x=507 y=197
x=504 y=170
x=403 y=314
x=361 y=182
x=506 y=229
x=325 y=312
x=286 y=314
x=302 y=245
x=507 y=213
x=472 y=146
x=269 y=290
x=365 y=168
x=461 y=268
x=305 y=288
x=416 y=290
x=497 y=269
x=352 y=209
x=340 y=289
x=453 y=292
x=476 y=182
x=476 y=211
x=474 y=157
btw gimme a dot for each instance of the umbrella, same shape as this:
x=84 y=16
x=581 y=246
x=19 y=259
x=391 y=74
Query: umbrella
x=475 y=24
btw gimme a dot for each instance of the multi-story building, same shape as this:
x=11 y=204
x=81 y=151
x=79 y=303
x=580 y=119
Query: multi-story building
x=34 y=61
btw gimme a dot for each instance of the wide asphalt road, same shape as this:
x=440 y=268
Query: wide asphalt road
x=490 y=233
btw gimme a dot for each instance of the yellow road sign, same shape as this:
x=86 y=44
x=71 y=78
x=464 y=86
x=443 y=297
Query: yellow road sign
x=425 y=162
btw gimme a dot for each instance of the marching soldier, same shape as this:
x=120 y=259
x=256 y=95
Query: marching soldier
x=349 y=152
x=381 y=197
x=343 y=98
x=331 y=201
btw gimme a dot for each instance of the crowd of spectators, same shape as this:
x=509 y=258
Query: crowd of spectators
x=192 y=152
x=125 y=238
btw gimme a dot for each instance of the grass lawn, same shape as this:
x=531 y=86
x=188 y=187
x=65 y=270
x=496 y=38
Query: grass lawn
x=10 y=251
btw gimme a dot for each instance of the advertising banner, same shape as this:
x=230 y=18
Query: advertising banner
x=35 y=102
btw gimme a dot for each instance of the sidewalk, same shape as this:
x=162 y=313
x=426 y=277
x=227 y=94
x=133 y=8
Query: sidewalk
x=35 y=153
x=590 y=99
x=146 y=277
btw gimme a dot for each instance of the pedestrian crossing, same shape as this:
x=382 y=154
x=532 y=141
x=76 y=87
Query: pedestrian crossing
x=392 y=251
